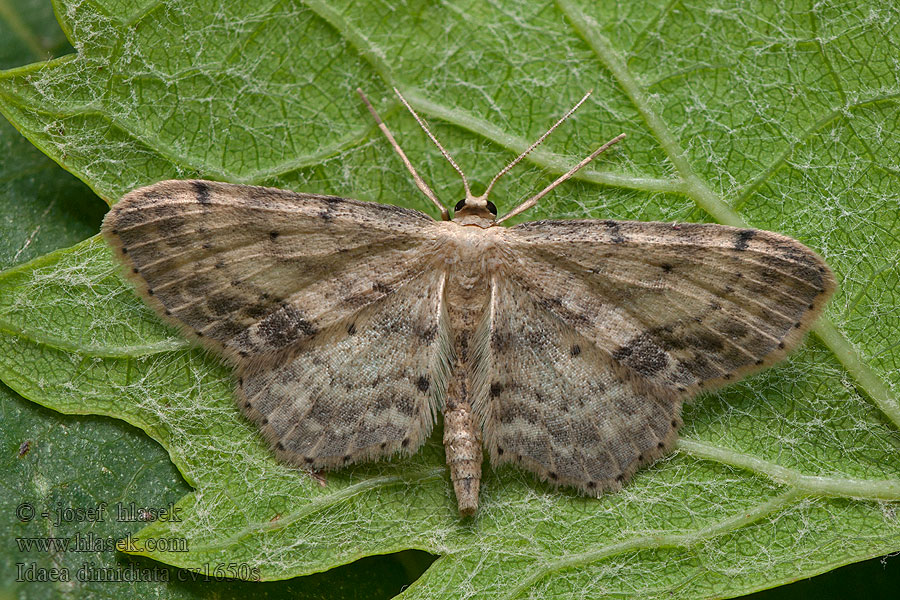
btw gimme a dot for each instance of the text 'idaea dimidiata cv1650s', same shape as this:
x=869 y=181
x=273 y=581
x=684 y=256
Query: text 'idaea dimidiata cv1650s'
x=564 y=346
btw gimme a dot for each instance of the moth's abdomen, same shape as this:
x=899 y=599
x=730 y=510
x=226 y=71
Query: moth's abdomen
x=462 y=444
x=466 y=299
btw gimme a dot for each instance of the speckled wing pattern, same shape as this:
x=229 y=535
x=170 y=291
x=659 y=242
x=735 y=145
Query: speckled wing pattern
x=295 y=289
x=367 y=387
x=599 y=330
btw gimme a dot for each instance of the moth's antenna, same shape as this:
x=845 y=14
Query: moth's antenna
x=436 y=143
x=445 y=214
x=532 y=201
x=534 y=145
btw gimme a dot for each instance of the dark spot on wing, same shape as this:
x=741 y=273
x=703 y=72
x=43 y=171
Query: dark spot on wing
x=331 y=202
x=273 y=235
x=382 y=402
x=496 y=389
x=257 y=311
x=172 y=225
x=614 y=231
x=575 y=350
x=666 y=338
x=223 y=304
x=743 y=238
x=201 y=189
x=642 y=354
x=351 y=329
x=556 y=306
x=422 y=383
x=405 y=405
x=734 y=329
x=285 y=326
x=706 y=341
x=228 y=329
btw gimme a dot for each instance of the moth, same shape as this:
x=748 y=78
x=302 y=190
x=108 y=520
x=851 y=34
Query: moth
x=566 y=347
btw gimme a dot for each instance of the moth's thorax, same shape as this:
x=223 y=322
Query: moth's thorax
x=470 y=256
x=470 y=249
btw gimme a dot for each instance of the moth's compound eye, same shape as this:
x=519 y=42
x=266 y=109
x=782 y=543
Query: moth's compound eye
x=460 y=204
x=492 y=208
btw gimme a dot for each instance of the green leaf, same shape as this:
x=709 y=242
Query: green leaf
x=735 y=113
x=43 y=207
x=49 y=460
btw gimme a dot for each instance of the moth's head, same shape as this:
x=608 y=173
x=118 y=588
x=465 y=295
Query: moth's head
x=478 y=210
x=475 y=210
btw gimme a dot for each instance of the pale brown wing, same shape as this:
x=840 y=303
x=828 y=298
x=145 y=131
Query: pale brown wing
x=251 y=270
x=329 y=307
x=365 y=387
x=625 y=320
x=686 y=306
x=554 y=403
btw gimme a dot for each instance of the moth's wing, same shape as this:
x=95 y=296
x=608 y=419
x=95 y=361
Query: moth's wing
x=271 y=279
x=552 y=402
x=686 y=306
x=365 y=387
x=251 y=270
x=643 y=316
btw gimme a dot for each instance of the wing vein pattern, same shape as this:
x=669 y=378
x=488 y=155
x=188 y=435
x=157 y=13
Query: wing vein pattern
x=331 y=309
